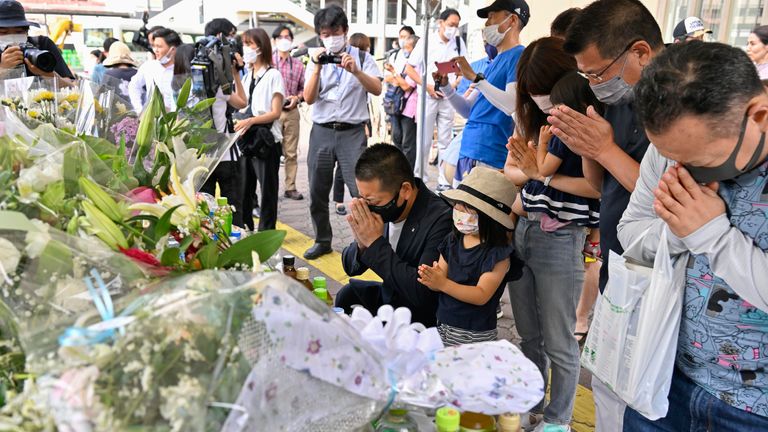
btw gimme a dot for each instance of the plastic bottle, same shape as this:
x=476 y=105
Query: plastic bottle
x=474 y=422
x=447 y=420
x=397 y=420
x=224 y=214
x=320 y=287
x=288 y=266
x=509 y=423
x=302 y=275
x=555 y=428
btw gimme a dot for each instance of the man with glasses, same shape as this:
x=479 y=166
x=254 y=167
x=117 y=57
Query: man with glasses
x=612 y=40
x=705 y=182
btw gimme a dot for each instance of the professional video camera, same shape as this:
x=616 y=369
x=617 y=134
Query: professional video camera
x=212 y=65
x=141 y=37
x=41 y=59
x=328 y=58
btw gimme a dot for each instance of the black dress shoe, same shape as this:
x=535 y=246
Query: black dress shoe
x=294 y=195
x=316 y=251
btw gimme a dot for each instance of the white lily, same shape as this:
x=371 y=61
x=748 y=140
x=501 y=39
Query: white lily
x=9 y=260
x=183 y=195
x=185 y=159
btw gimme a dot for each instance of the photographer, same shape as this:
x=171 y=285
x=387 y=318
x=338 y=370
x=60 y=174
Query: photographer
x=16 y=47
x=156 y=72
x=338 y=80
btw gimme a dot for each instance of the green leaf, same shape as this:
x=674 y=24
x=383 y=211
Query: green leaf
x=163 y=225
x=208 y=255
x=186 y=243
x=139 y=218
x=204 y=105
x=181 y=101
x=53 y=195
x=171 y=257
x=169 y=119
x=264 y=243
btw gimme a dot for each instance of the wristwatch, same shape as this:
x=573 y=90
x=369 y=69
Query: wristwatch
x=479 y=77
x=547 y=180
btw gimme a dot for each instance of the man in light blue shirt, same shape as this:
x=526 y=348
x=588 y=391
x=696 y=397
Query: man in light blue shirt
x=338 y=92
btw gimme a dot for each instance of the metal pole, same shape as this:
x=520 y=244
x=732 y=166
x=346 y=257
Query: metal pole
x=425 y=136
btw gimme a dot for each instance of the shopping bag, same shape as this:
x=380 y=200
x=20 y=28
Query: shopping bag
x=632 y=342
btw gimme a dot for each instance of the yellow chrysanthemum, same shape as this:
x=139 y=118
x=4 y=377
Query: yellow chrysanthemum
x=72 y=97
x=43 y=95
x=33 y=114
x=99 y=108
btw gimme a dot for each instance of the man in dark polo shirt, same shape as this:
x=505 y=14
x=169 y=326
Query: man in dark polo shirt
x=612 y=40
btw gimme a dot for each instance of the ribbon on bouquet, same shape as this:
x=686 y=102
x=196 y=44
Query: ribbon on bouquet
x=104 y=330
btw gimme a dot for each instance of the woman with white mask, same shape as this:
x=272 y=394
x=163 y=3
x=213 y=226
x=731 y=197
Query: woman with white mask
x=156 y=72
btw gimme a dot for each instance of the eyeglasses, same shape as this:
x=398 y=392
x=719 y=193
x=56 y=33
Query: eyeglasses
x=599 y=76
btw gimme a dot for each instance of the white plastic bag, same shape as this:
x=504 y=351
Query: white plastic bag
x=632 y=342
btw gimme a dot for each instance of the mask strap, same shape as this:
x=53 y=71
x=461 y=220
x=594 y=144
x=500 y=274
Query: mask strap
x=735 y=152
x=756 y=156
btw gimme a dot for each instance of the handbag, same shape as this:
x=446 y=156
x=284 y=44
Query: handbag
x=632 y=342
x=258 y=141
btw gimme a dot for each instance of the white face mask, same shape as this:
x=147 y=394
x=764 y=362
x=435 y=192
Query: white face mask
x=335 y=44
x=450 y=32
x=466 y=223
x=401 y=43
x=167 y=58
x=543 y=102
x=491 y=33
x=284 y=45
x=13 y=39
x=250 y=55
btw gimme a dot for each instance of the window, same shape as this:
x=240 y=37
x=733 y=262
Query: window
x=353 y=14
x=745 y=16
x=95 y=37
x=711 y=13
x=369 y=12
x=677 y=10
x=392 y=12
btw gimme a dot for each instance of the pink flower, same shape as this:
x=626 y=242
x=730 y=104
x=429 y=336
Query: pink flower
x=143 y=194
x=314 y=346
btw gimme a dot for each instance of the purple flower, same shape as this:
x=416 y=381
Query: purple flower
x=314 y=346
x=128 y=126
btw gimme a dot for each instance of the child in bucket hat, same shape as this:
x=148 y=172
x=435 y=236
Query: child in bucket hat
x=474 y=259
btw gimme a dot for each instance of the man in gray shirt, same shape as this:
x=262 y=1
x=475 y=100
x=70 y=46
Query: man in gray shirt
x=338 y=92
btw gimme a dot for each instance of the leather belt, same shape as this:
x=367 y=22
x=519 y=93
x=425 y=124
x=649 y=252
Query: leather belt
x=339 y=126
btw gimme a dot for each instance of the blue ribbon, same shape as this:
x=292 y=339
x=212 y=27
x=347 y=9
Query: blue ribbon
x=79 y=336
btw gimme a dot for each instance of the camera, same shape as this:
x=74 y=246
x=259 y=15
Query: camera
x=41 y=59
x=212 y=66
x=141 y=37
x=326 y=58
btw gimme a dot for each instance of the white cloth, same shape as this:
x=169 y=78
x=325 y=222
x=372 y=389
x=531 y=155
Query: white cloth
x=342 y=98
x=398 y=60
x=439 y=51
x=271 y=83
x=505 y=100
x=440 y=113
x=395 y=230
x=142 y=85
x=219 y=112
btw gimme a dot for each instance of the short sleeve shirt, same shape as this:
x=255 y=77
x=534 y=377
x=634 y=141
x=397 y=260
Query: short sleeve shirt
x=439 y=51
x=342 y=98
x=270 y=84
x=630 y=136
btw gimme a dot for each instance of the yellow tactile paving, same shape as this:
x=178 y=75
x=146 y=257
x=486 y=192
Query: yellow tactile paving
x=296 y=243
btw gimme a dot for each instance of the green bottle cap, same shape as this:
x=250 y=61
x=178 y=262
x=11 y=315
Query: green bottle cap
x=447 y=419
x=321 y=293
x=222 y=201
x=319 y=282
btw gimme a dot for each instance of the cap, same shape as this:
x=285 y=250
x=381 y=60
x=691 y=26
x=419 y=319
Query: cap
x=321 y=293
x=119 y=53
x=517 y=7
x=487 y=190
x=690 y=27
x=319 y=282
x=289 y=260
x=447 y=419
x=12 y=15
x=302 y=273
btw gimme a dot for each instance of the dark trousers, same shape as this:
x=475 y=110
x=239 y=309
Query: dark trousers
x=338 y=186
x=265 y=171
x=326 y=148
x=364 y=293
x=409 y=139
x=397 y=130
x=230 y=179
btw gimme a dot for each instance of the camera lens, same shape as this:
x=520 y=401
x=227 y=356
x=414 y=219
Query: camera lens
x=42 y=59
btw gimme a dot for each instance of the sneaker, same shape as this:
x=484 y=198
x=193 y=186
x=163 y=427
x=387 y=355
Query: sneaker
x=499 y=312
x=529 y=421
x=551 y=427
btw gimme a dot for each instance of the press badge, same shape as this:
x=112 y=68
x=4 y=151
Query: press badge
x=334 y=94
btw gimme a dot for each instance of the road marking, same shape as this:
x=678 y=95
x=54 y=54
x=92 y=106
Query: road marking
x=296 y=243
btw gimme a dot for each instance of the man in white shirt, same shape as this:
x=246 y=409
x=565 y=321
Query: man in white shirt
x=339 y=95
x=398 y=60
x=444 y=45
x=156 y=72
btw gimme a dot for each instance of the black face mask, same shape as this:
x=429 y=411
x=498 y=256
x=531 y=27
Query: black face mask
x=390 y=211
x=728 y=169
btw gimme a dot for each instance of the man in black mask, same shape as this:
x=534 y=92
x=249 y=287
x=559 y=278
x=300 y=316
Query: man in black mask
x=398 y=224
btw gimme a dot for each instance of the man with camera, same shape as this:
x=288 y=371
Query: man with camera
x=337 y=83
x=28 y=56
x=292 y=70
x=229 y=173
